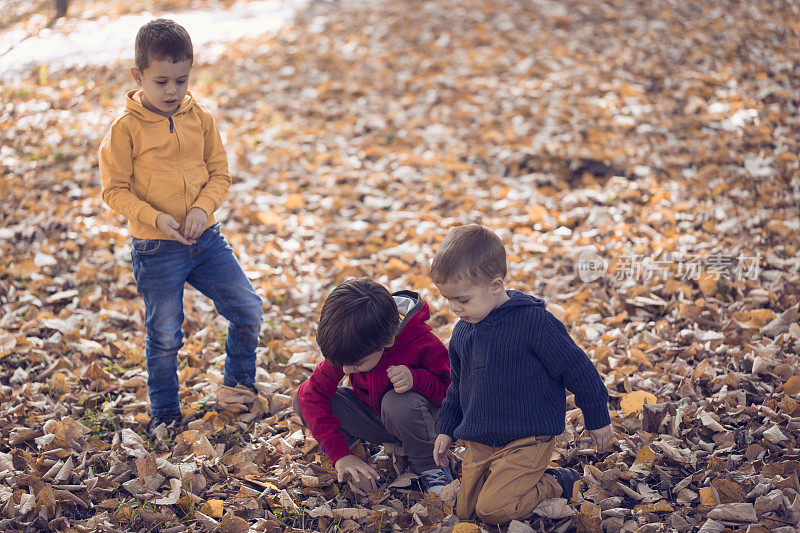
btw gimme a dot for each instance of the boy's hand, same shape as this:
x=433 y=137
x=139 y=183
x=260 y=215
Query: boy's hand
x=601 y=438
x=170 y=227
x=401 y=378
x=195 y=223
x=358 y=469
x=440 y=448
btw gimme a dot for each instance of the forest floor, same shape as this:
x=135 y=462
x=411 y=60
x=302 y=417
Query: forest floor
x=640 y=161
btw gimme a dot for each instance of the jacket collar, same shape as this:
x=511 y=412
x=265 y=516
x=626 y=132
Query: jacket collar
x=133 y=104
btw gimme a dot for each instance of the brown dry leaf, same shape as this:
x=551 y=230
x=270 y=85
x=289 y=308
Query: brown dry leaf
x=555 y=509
x=792 y=386
x=588 y=519
x=728 y=491
x=661 y=506
x=233 y=524
x=734 y=512
x=387 y=123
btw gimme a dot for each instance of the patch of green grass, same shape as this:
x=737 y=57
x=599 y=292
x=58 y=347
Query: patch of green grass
x=114 y=368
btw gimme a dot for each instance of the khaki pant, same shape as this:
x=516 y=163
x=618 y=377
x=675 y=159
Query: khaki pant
x=504 y=483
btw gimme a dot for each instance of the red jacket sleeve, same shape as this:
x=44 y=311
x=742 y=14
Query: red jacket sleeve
x=433 y=375
x=314 y=398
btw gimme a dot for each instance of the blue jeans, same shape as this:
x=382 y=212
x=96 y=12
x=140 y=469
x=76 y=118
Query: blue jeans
x=161 y=267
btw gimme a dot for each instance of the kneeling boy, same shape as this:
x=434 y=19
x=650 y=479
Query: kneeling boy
x=512 y=361
x=399 y=372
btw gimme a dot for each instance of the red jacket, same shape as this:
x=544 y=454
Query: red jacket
x=415 y=347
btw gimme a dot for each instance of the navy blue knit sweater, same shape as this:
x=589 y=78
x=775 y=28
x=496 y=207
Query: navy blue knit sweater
x=509 y=372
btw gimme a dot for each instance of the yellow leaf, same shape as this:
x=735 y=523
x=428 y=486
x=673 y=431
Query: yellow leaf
x=700 y=370
x=466 y=527
x=633 y=402
x=792 y=386
x=661 y=506
x=270 y=218
x=537 y=213
x=645 y=455
x=212 y=508
x=295 y=201
x=24 y=269
x=395 y=267
x=707 y=497
x=7 y=343
x=707 y=284
x=639 y=356
x=59 y=384
x=754 y=319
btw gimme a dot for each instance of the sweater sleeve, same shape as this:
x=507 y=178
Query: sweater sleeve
x=568 y=364
x=115 y=159
x=219 y=179
x=433 y=376
x=314 y=398
x=450 y=414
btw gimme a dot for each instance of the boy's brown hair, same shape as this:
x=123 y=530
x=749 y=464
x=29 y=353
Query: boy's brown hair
x=469 y=253
x=358 y=318
x=162 y=39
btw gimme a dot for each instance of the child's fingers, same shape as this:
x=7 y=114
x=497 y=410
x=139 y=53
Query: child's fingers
x=178 y=237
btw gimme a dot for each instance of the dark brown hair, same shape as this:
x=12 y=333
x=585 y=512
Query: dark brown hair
x=162 y=39
x=359 y=317
x=469 y=253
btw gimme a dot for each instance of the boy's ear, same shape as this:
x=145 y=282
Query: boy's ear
x=496 y=285
x=137 y=75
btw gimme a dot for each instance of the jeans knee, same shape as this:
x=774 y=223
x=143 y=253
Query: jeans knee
x=401 y=405
x=164 y=343
x=253 y=312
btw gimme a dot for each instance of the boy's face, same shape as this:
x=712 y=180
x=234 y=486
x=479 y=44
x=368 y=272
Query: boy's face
x=164 y=84
x=367 y=363
x=471 y=301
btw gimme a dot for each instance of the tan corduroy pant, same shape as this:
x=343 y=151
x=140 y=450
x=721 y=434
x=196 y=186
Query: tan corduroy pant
x=504 y=483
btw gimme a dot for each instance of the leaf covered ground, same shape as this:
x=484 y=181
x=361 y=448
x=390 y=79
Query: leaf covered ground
x=653 y=144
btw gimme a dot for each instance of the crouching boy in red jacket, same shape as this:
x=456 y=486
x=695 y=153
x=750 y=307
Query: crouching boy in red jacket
x=398 y=370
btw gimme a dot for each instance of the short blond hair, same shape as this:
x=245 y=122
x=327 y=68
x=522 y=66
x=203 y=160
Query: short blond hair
x=469 y=253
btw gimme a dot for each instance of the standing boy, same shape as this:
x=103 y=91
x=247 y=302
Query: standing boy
x=511 y=360
x=398 y=370
x=164 y=168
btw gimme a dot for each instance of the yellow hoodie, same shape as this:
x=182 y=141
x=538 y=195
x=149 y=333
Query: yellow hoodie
x=151 y=164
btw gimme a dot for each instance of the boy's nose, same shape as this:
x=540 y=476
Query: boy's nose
x=348 y=369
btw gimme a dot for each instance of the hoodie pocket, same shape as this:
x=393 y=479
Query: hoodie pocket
x=161 y=192
x=196 y=179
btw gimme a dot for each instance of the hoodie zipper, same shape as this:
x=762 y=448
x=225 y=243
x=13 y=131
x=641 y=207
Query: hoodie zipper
x=180 y=163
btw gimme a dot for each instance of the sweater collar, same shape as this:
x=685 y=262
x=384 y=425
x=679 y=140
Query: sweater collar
x=515 y=300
